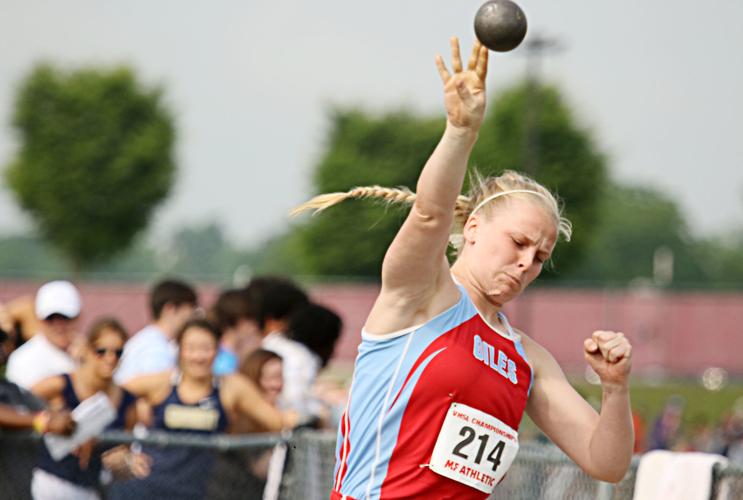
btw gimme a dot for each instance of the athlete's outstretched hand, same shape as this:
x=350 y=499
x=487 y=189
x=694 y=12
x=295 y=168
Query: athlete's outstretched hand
x=464 y=89
x=610 y=356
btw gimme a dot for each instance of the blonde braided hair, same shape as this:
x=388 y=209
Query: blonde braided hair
x=320 y=202
x=508 y=183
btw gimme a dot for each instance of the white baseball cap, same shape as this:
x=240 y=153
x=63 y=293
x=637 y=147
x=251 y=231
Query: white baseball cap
x=58 y=297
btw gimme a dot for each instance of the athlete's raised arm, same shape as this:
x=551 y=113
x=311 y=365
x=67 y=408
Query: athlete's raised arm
x=415 y=268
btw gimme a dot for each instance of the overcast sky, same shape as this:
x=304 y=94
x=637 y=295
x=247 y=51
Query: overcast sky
x=660 y=84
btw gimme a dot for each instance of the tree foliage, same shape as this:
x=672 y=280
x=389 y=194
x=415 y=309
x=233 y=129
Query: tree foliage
x=95 y=158
x=635 y=222
x=391 y=149
x=721 y=258
x=203 y=251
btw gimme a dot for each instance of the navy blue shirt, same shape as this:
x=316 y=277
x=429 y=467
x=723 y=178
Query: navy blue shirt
x=68 y=467
x=178 y=471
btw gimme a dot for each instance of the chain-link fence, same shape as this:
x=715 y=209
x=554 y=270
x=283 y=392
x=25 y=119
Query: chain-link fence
x=237 y=467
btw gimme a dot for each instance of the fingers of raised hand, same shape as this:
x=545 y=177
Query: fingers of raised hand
x=590 y=346
x=474 y=56
x=478 y=61
x=481 y=68
x=443 y=72
x=456 y=58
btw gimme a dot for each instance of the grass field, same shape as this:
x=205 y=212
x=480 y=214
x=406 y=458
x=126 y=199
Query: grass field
x=702 y=405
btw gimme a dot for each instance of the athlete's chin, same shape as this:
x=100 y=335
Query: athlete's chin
x=501 y=295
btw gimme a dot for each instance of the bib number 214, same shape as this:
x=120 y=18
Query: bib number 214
x=474 y=448
x=469 y=434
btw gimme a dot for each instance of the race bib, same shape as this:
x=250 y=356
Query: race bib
x=474 y=448
x=191 y=418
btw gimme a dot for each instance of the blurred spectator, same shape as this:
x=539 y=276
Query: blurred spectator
x=306 y=347
x=264 y=369
x=667 y=427
x=276 y=298
x=317 y=328
x=235 y=316
x=43 y=421
x=702 y=437
x=153 y=348
x=47 y=353
x=733 y=433
x=77 y=476
x=190 y=399
x=251 y=470
x=19 y=409
x=639 y=425
x=23 y=316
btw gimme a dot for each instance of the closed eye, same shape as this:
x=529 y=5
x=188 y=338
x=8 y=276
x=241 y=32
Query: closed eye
x=542 y=257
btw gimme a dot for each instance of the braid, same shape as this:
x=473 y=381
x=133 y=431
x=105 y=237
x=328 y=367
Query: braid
x=482 y=189
x=389 y=195
x=462 y=209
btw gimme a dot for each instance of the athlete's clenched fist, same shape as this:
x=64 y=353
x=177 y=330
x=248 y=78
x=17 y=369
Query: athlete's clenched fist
x=610 y=356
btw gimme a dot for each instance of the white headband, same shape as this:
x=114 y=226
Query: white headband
x=503 y=193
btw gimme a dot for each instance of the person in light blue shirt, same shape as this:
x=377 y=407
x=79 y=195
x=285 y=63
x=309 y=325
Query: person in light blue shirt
x=153 y=349
x=235 y=315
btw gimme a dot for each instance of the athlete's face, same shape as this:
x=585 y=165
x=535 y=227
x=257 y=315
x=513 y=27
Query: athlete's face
x=198 y=349
x=506 y=251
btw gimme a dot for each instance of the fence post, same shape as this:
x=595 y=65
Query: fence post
x=603 y=491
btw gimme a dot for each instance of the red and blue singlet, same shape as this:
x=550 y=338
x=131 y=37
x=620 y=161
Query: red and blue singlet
x=403 y=388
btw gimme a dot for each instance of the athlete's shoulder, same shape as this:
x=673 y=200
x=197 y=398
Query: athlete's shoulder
x=399 y=318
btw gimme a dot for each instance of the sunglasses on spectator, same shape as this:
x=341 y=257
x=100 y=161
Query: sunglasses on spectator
x=101 y=351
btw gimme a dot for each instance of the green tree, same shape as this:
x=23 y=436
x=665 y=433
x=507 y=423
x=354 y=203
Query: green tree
x=634 y=223
x=203 y=252
x=391 y=149
x=721 y=258
x=95 y=158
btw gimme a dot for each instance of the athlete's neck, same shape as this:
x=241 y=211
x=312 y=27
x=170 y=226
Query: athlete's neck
x=486 y=304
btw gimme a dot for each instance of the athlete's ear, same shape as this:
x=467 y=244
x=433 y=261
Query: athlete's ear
x=471 y=229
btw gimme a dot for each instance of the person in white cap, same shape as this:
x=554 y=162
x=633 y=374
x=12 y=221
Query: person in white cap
x=57 y=307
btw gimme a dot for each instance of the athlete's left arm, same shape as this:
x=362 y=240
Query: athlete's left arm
x=600 y=443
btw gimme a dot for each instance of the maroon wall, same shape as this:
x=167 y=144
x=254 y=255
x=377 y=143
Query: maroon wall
x=676 y=333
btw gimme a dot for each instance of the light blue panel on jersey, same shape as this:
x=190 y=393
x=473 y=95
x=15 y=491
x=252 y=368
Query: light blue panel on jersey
x=388 y=440
x=520 y=350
